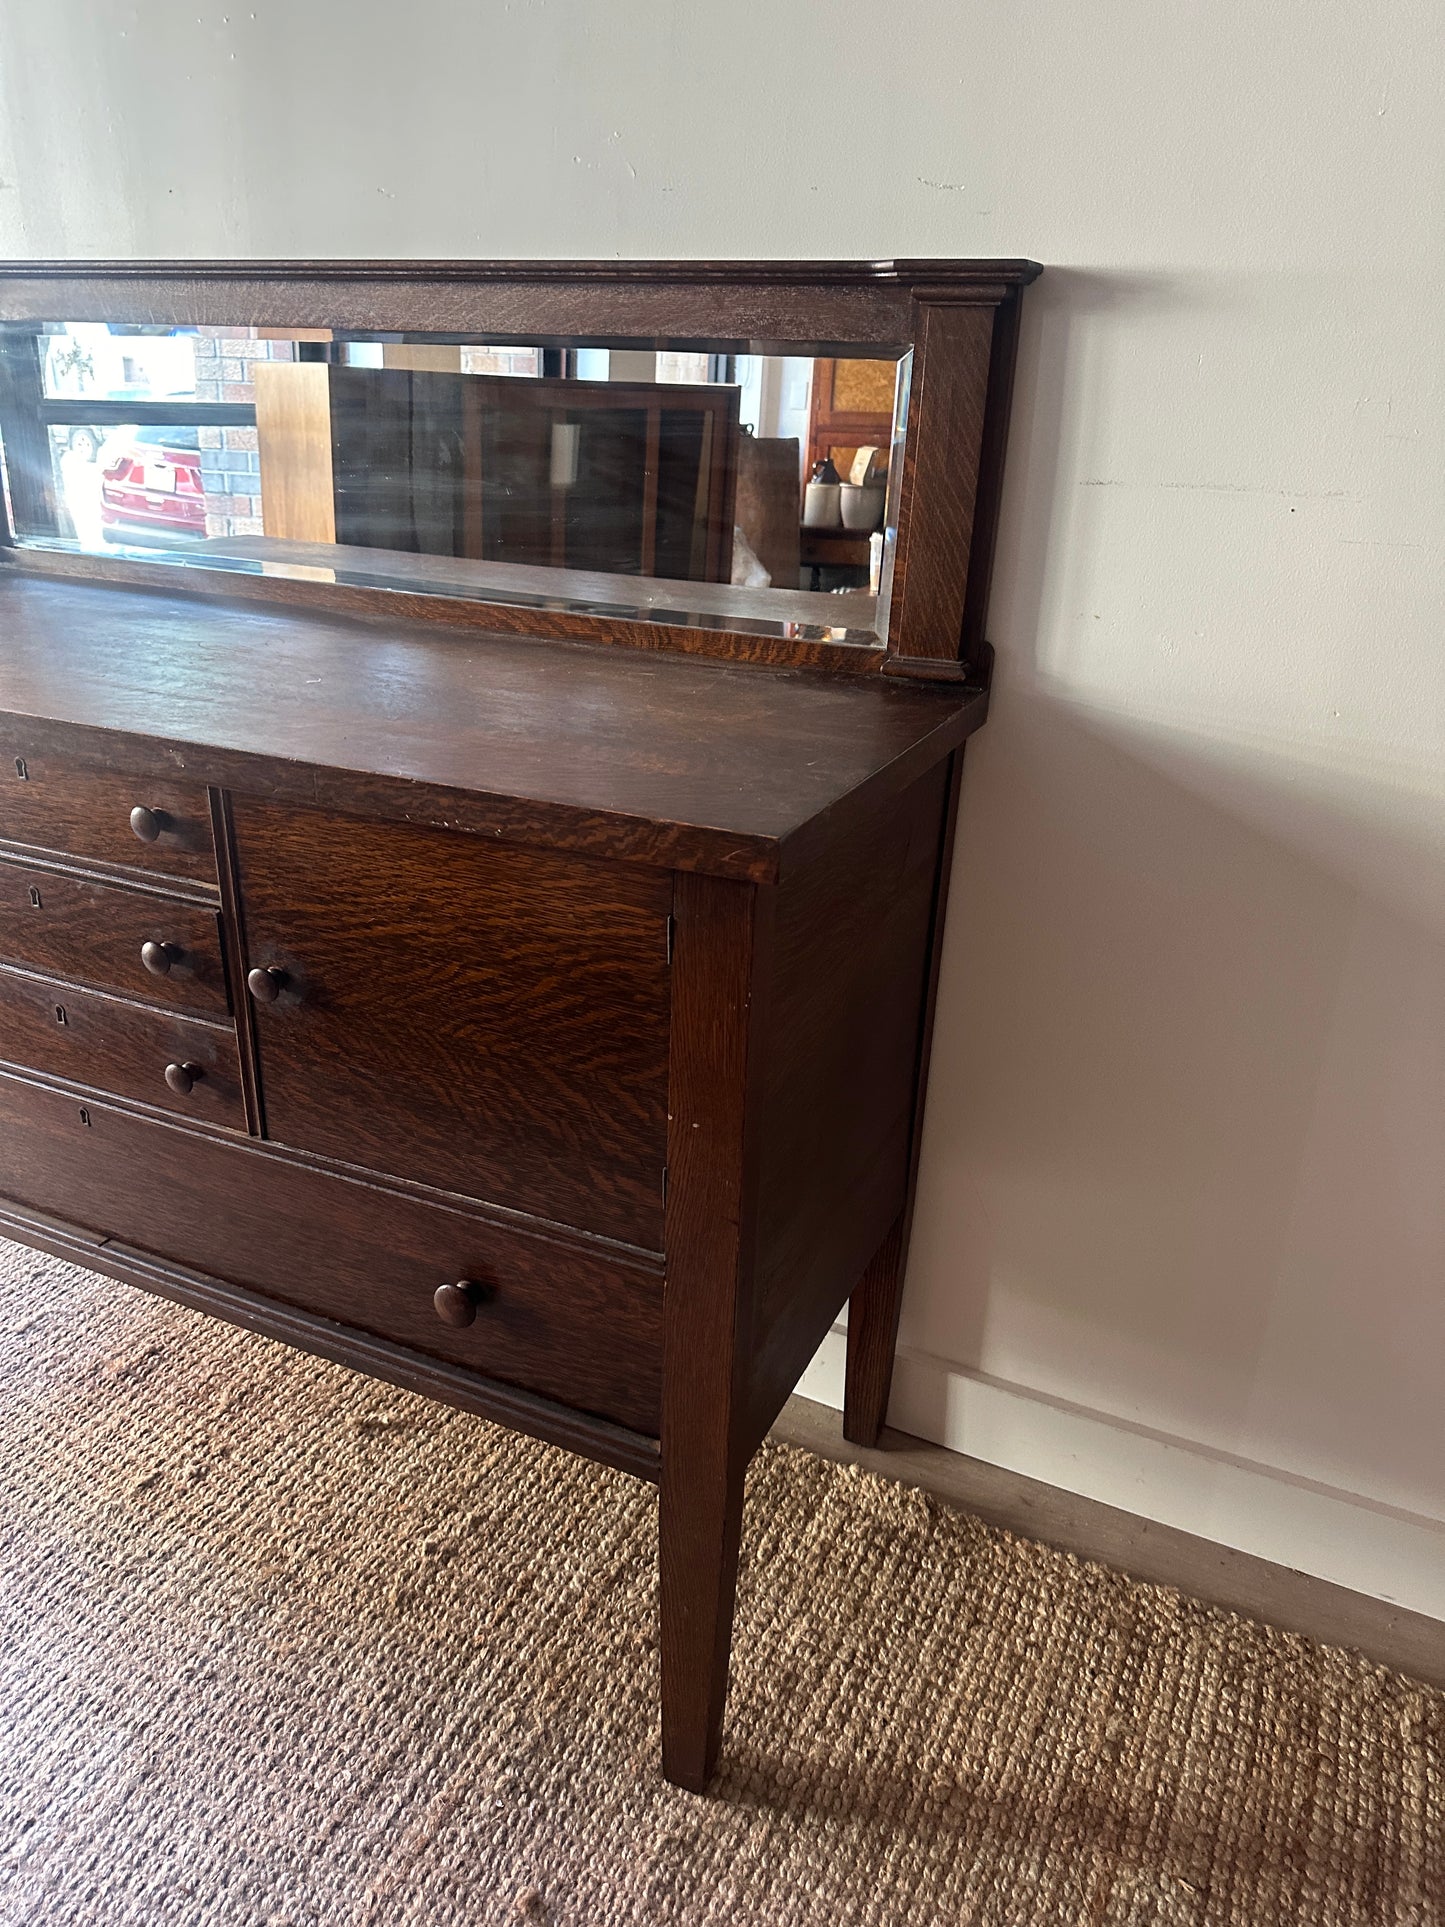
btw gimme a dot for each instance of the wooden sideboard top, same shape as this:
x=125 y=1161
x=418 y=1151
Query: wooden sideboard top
x=677 y=761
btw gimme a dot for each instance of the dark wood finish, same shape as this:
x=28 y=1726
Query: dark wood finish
x=998 y=404
x=941 y=311
x=541 y=1418
x=29 y=462
x=869 y=1372
x=138 y=943
x=477 y=996
x=681 y=764
x=457 y=1304
x=833 y=548
x=577 y=1325
x=233 y=937
x=840 y=1055
x=720 y=983
x=108 y=1044
x=872 y=1336
x=939 y=490
x=265 y=986
x=768 y=495
x=85 y=812
x=490 y=1020
x=726 y=306
x=584 y=999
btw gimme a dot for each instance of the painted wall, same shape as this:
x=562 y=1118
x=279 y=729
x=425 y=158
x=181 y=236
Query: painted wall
x=1180 y=1239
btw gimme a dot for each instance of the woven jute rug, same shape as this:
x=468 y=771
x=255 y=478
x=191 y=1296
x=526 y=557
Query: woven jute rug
x=284 y=1646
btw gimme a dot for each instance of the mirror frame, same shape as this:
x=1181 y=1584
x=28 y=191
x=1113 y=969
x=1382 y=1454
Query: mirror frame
x=957 y=320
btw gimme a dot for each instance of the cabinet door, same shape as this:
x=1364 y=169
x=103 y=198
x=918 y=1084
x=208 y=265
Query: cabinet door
x=489 y=1020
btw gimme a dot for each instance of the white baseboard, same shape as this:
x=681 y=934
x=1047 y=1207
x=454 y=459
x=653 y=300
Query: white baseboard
x=1395 y=1556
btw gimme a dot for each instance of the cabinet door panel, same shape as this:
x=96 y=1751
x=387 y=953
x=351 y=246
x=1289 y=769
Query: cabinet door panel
x=486 y=1019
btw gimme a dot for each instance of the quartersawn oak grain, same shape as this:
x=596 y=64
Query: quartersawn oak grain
x=680 y=763
x=720 y=991
x=478 y=997
x=65 y=925
x=958 y=319
x=49 y=801
x=729 y=306
x=461 y=849
x=109 y=1044
x=940 y=484
x=850 y=954
x=874 y=1311
x=577 y=1326
x=489 y=1020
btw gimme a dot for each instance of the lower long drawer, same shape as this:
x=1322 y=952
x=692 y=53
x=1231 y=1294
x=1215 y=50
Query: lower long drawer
x=577 y=1326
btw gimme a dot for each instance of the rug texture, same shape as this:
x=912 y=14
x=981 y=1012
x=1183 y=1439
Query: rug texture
x=279 y=1646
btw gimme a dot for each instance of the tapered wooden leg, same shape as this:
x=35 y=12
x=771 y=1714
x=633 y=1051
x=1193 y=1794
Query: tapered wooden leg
x=701 y=1519
x=719 y=974
x=872 y=1338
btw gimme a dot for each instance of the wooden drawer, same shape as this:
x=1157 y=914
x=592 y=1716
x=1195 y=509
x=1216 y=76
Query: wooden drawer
x=93 y=933
x=490 y=1020
x=109 y=1045
x=51 y=804
x=577 y=1326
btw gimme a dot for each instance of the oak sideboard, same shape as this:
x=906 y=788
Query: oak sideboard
x=523 y=998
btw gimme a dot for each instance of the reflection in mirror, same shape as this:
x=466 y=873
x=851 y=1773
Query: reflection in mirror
x=739 y=491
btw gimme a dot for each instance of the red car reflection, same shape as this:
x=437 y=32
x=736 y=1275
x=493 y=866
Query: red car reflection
x=151 y=487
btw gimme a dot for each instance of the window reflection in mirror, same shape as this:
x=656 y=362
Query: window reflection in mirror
x=745 y=491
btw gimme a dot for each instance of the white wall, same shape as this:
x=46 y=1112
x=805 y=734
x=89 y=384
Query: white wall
x=1180 y=1238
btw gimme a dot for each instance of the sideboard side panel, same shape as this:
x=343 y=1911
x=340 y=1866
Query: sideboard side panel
x=841 y=1067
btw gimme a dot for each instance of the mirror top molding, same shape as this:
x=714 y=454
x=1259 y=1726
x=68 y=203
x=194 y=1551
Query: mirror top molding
x=819 y=304
x=790 y=349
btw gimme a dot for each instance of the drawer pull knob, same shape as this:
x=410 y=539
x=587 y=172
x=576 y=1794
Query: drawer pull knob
x=183 y=1078
x=457 y=1304
x=266 y=985
x=160 y=958
x=148 y=824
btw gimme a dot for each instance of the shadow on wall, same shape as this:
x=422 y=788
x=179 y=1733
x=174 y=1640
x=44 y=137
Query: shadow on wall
x=1186 y=1128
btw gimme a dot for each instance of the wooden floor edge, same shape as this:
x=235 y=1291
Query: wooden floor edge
x=1408 y=1642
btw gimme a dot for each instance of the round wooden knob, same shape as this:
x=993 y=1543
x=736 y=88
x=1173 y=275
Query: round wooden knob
x=159 y=958
x=266 y=985
x=457 y=1304
x=148 y=824
x=183 y=1078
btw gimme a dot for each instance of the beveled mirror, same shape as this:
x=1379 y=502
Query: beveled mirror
x=732 y=460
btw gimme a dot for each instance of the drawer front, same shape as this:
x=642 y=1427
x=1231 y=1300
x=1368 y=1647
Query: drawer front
x=99 y=1041
x=573 y=1325
x=94 y=933
x=489 y=1020
x=52 y=804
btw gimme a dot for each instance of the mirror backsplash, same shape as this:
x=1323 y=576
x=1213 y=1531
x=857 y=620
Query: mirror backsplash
x=734 y=491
